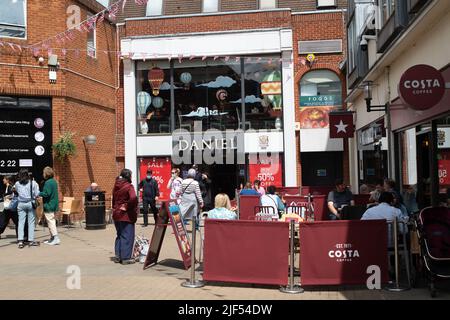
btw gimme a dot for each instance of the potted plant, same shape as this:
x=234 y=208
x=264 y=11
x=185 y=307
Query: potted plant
x=64 y=147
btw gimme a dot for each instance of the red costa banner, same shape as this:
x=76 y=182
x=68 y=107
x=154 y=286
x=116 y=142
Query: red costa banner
x=444 y=172
x=343 y=252
x=268 y=173
x=421 y=87
x=161 y=168
x=246 y=251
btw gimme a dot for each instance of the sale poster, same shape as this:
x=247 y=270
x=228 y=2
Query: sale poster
x=161 y=168
x=444 y=172
x=268 y=172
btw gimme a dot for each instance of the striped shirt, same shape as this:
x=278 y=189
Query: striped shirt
x=190 y=186
x=23 y=190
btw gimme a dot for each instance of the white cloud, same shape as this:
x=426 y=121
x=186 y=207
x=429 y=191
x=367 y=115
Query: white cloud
x=248 y=99
x=220 y=82
x=166 y=86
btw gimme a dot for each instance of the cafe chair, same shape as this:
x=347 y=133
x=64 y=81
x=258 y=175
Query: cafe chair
x=71 y=206
x=247 y=123
x=186 y=126
x=265 y=213
x=299 y=210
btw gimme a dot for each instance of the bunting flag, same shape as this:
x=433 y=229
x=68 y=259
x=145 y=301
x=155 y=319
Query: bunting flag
x=180 y=58
x=216 y=57
x=123 y=5
x=64 y=52
x=203 y=58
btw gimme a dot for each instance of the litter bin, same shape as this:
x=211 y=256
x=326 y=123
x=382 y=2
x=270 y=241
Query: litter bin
x=94 y=206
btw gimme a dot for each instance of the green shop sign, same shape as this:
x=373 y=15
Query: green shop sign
x=317 y=101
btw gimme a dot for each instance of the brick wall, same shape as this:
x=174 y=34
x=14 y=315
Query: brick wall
x=236 y=5
x=84 y=97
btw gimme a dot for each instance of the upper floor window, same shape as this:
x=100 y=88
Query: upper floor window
x=210 y=5
x=104 y=3
x=267 y=4
x=155 y=8
x=13 y=18
x=387 y=9
x=92 y=40
x=326 y=3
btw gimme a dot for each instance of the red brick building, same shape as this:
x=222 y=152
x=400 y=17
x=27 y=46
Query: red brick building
x=81 y=101
x=202 y=41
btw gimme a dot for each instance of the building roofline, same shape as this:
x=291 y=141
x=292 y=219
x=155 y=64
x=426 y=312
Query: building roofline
x=174 y=35
x=319 y=12
x=206 y=14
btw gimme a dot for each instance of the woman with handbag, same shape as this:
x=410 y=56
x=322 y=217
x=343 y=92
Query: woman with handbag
x=191 y=197
x=27 y=191
x=125 y=207
x=9 y=208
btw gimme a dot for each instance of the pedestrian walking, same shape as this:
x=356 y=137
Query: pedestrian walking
x=27 y=190
x=125 y=207
x=191 y=197
x=50 y=199
x=174 y=185
x=150 y=194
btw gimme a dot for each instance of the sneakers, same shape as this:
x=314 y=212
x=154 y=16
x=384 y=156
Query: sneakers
x=48 y=240
x=116 y=260
x=21 y=245
x=34 y=244
x=55 y=241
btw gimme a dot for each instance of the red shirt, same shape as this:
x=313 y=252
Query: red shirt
x=125 y=203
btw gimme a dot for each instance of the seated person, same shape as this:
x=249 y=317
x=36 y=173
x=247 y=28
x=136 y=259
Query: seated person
x=93 y=188
x=386 y=210
x=337 y=198
x=374 y=198
x=249 y=191
x=222 y=208
x=270 y=199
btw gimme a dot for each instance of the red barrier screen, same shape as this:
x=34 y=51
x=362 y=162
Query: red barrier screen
x=319 y=203
x=339 y=252
x=246 y=251
x=247 y=206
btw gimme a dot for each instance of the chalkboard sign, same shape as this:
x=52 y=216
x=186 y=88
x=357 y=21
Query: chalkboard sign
x=25 y=135
x=157 y=237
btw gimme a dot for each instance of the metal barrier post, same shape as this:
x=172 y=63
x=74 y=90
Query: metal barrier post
x=396 y=287
x=292 y=288
x=192 y=283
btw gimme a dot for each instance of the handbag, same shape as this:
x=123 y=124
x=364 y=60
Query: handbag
x=11 y=204
x=33 y=199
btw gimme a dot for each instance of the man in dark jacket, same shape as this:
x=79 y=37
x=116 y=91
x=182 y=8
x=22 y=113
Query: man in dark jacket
x=125 y=206
x=150 y=194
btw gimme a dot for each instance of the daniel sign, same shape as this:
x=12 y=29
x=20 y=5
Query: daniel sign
x=421 y=87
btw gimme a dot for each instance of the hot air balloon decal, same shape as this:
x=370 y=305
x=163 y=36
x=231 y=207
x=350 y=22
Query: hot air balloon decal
x=158 y=102
x=155 y=77
x=143 y=101
x=271 y=88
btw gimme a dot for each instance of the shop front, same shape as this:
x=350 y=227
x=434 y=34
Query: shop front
x=25 y=135
x=421 y=123
x=196 y=100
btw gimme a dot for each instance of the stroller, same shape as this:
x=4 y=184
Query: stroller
x=433 y=230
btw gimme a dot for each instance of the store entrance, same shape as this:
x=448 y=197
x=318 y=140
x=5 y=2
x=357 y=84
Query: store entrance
x=224 y=179
x=423 y=169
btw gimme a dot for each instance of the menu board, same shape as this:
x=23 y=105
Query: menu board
x=181 y=235
x=158 y=237
x=25 y=136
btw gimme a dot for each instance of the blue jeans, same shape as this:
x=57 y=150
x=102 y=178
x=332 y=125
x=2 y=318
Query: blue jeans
x=25 y=210
x=124 y=240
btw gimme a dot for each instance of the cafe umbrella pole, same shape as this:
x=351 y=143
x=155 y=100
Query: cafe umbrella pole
x=292 y=288
x=396 y=287
x=192 y=283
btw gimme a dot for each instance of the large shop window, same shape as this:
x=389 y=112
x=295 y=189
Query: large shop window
x=320 y=93
x=208 y=94
x=13 y=18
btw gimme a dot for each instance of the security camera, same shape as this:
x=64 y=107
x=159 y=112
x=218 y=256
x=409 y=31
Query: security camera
x=364 y=44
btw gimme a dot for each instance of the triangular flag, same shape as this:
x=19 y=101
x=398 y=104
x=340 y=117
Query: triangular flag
x=216 y=57
x=238 y=59
x=180 y=58
x=203 y=58
x=249 y=60
x=64 y=52
x=123 y=5
x=12 y=46
x=191 y=57
x=227 y=58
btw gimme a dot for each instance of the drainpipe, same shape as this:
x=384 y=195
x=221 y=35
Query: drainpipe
x=390 y=134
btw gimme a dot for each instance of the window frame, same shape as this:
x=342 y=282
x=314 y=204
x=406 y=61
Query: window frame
x=321 y=7
x=94 y=31
x=161 y=11
x=385 y=19
x=218 y=6
x=259 y=5
x=25 y=15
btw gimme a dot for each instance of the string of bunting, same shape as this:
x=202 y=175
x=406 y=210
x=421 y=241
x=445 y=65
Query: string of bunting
x=55 y=43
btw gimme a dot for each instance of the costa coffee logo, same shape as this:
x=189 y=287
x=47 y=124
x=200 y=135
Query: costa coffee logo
x=343 y=252
x=421 y=87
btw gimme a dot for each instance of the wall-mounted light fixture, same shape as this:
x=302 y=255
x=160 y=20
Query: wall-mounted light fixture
x=90 y=139
x=368 y=97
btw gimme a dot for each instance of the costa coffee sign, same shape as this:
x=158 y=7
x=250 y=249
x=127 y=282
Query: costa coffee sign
x=421 y=87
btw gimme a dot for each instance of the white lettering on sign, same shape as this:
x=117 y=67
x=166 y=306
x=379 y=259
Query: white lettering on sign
x=422 y=84
x=343 y=252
